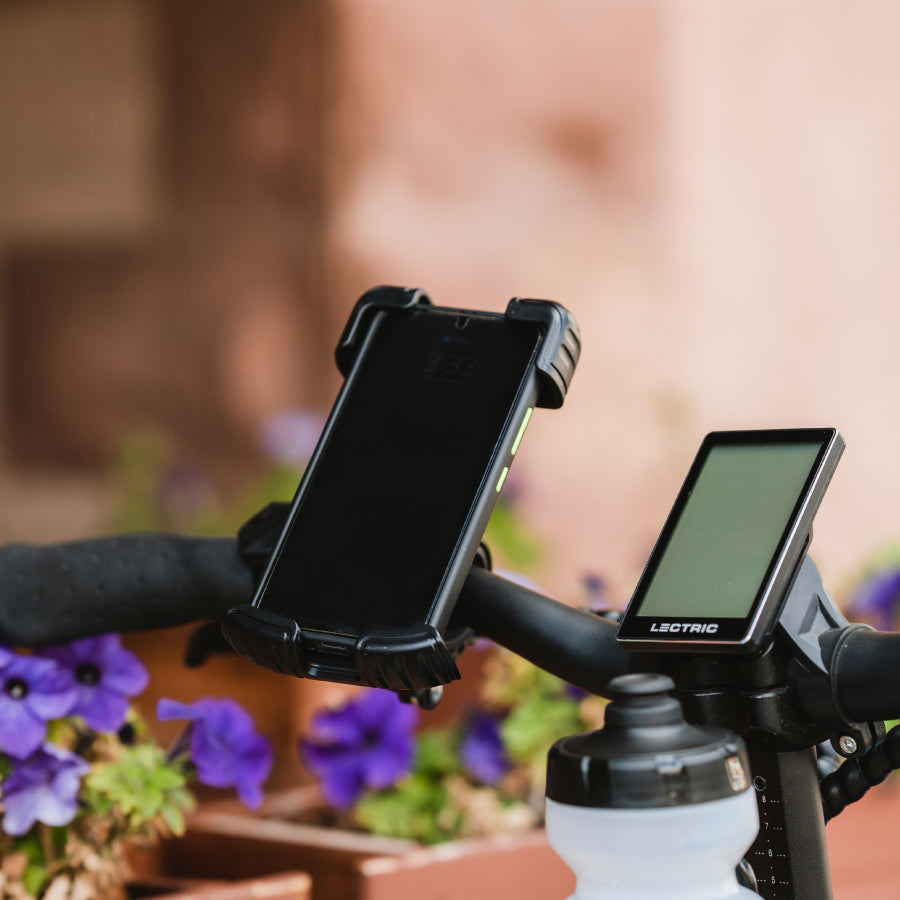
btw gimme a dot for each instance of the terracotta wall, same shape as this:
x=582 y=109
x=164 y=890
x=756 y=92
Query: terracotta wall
x=163 y=238
x=525 y=156
x=162 y=257
x=710 y=188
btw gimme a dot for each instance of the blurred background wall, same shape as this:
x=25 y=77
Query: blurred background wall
x=194 y=192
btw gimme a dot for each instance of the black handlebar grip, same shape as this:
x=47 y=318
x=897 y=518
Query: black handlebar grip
x=577 y=646
x=865 y=672
x=56 y=593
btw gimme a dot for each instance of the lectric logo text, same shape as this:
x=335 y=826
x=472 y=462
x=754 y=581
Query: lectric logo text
x=685 y=627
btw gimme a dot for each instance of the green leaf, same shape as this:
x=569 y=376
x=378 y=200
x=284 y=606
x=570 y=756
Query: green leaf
x=416 y=809
x=436 y=753
x=59 y=837
x=509 y=540
x=531 y=727
x=141 y=462
x=142 y=786
x=273 y=483
x=37 y=868
x=35 y=878
x=167 y=779
x=30 y=844
x=174 y=819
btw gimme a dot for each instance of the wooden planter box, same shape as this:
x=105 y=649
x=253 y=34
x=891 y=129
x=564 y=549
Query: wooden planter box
x=222 y=841
x=862 y=847
x=284 y=886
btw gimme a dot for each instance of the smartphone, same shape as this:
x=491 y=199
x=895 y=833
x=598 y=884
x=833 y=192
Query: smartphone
x=395 y=500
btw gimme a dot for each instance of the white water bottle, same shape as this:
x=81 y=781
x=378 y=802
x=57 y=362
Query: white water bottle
x=651 y=808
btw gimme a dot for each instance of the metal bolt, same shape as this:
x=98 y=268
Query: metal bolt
x=429 y=697
x=848 y=745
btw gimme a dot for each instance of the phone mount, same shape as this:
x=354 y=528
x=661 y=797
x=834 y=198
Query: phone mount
x=557 y=356
x=420 y=656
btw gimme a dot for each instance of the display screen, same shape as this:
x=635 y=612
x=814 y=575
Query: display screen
x=729 y=531
x=405 y=455
x=733 y=541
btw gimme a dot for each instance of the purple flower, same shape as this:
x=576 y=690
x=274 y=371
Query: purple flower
x=482 y=751
x=184 y=493
x=289 y=438
x=32 y=692
x=104 y=675
x=595 y=592
x=878 y=599
x=42 y=788
x=368 y=742
x=226 y=748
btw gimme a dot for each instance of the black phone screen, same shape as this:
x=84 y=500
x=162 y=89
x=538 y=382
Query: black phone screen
x=404 y=457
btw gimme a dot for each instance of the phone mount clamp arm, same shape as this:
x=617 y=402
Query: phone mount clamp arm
x=556 y=360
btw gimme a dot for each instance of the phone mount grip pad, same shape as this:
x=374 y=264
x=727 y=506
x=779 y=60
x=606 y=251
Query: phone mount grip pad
x=395 y=660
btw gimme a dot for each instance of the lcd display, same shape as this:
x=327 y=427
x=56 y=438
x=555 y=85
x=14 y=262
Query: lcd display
x=380 y=515
x=736 y=535
x=725 y=540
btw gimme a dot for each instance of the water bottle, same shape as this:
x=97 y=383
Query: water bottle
x=650 y=807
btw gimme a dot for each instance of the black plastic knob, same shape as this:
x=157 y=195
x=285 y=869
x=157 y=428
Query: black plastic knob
x=646 y=755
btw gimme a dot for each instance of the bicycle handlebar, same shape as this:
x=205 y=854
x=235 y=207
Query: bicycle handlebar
x=56 y=593
x=866 y=675
x=134 y=582
x=578 y=646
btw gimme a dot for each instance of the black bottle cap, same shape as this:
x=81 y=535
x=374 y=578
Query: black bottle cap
x=646 y=755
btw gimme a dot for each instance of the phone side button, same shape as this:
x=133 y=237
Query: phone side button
x=522 y=428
